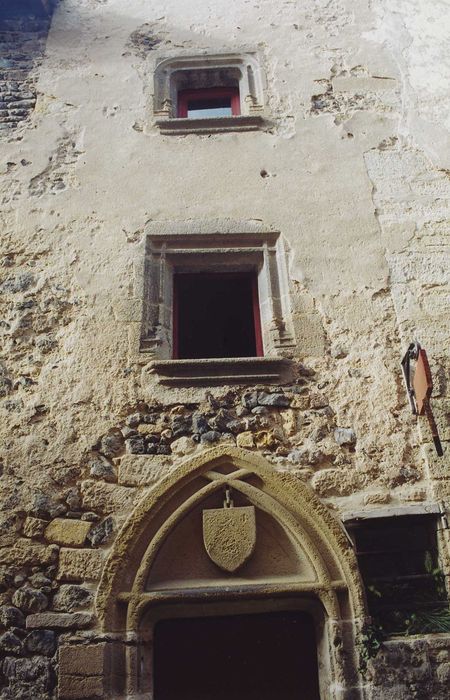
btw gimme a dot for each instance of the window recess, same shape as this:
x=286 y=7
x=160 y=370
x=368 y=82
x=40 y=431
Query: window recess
x=208 y=93
x=216 y=315
x=399 y=563
x=217 y=304
x=209 y=102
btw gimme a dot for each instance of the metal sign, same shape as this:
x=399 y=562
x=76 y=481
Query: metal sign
x=419 y=385
x=422 y=382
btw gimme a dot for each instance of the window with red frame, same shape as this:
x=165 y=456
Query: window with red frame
x=209 y=102
x=216 y=315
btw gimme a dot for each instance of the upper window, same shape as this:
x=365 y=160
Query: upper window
x=209 y=102
x=221 y=92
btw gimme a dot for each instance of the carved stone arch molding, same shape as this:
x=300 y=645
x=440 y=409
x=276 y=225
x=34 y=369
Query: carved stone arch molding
x=159 y=566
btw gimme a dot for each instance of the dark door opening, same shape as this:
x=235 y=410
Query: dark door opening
x=216 y=315
x=264 y=656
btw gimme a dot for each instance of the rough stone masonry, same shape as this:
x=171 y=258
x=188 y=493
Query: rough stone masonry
x=350 y=163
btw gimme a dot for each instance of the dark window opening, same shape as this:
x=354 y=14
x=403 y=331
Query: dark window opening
x=398 y=560
x=208 y=102
x=216 y=315
x=243 y=657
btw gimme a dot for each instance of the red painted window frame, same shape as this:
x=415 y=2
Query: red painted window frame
x=184 y=96
x=255 y=302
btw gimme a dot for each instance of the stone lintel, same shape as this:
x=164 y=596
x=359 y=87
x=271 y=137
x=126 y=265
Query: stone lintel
x=391 y=512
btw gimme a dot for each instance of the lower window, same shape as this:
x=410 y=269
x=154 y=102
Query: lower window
x=216 y=315
x=398 y=560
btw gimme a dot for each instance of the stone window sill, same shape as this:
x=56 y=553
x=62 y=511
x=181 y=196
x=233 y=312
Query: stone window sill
x=236 y=370
x=210 y=125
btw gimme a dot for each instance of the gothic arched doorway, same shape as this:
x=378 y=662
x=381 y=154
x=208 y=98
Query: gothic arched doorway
x=185 y=565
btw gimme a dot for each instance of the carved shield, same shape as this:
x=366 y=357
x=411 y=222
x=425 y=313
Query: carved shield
x=229 y=535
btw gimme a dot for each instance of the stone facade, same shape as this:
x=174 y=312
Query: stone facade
x=340 y=163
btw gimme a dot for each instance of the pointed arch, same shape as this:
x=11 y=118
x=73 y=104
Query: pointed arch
x=122 y=597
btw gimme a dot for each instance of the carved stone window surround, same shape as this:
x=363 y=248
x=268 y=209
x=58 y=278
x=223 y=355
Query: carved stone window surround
x=220 y=246
x=175 y=73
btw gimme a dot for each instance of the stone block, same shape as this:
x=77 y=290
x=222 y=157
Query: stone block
x=345 y=436
x=289 y=422
x=30 y=600
x=276 y=400
x=71 y=597
x=10 y=616
x=41 y=641
x=245 y=439
x=268 y=439
x=140 y=470
x=149 y=429
x=375 y=497
x=183 y=446
x=80 y=564
x=107 y=498
x=82 y=659
x=300 y=401
x=334 y=482
x=23 y=552
x=90 y=670
x=78 y=688
x=103 y=532
x=29 y=675
x=34 y=527
x=135 y=445
x=65 y=531
x=62 y=621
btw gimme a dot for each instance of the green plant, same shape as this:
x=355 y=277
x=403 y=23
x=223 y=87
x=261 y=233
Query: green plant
x=369 y=644
x=411 y=604
x=427 y=621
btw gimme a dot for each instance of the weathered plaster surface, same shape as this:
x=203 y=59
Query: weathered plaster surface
x=416 y=35
x=350 y=167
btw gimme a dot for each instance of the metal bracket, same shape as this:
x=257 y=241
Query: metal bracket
x=228 y=502
x=444 y=517
x=419 y=388
x=412 y=353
